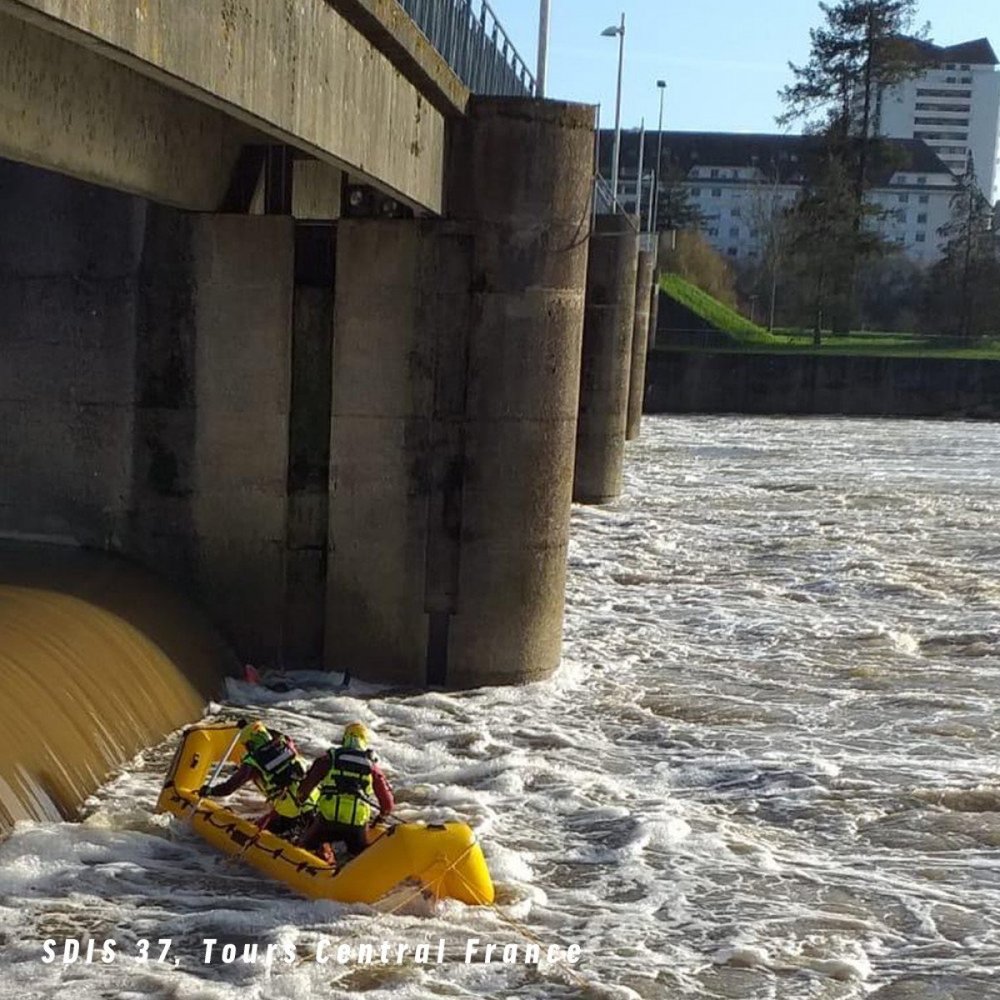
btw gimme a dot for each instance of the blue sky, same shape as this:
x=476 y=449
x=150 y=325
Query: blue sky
x=723 y=60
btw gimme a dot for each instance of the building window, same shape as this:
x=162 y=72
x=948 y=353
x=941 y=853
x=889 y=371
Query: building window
x=921 y=92
x=731 y=251
x=921 y=238
x=949 y=66
x=921 y=180
x=904 y=197
x=922 y=218
x=713 y=232
x=924 y=199
x=734 y=231
x=736 y=211
x=966 y=79
x=716 y=192
x=901 y=179
x=949 y=79
x=715 y=173
x=695 y=192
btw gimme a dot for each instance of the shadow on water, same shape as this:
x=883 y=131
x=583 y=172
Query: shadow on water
x=98 y=660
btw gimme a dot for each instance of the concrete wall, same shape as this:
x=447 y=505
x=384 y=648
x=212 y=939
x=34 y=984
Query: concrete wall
x=164 y=393
x=69 y=259
x=402 y=315
x=689 y=382
x=302 y=73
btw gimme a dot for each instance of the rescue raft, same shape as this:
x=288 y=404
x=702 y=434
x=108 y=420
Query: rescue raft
x=445 y=860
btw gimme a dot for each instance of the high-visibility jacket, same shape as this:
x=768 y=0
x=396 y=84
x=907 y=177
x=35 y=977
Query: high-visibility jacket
x=346 y=792
x=277 y=771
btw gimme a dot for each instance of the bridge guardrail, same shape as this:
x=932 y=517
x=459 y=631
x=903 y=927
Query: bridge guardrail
x=468 y=34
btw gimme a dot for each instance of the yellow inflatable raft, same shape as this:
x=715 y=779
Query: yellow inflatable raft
x=445 y=860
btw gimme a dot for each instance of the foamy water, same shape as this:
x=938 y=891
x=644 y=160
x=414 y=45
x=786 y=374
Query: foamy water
x=766 y=769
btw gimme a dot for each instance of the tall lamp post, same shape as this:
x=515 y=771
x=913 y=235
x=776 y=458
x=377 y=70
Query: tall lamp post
x=662 y=84
x=543 y=48
x=618 y=30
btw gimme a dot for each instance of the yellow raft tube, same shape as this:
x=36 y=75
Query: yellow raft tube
x=445 y=860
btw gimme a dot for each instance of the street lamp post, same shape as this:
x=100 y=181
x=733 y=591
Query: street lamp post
x=662 y=84
x=543 y=48
x=618 y=30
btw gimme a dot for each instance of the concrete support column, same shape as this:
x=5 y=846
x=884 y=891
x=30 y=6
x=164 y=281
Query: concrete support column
x=524 y=184
x=401 y=318
x=607 y=358
x=456 y=381
x=213 y=383
x=640 y=342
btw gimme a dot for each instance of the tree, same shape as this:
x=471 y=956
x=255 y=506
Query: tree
x=965 y=279
x=862 y=47
x=769 y=219
x=823 y=239
x=674 y=209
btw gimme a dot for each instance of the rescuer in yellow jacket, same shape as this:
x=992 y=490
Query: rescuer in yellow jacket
x=273 y=764
x=351 y=787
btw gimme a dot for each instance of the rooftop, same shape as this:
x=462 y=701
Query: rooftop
x=786 y=158
x=978 y=52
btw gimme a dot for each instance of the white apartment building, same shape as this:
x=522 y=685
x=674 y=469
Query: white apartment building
x=739 y=182
x=954 y=106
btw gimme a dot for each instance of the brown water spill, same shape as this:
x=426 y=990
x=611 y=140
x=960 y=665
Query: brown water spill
x=98 y=659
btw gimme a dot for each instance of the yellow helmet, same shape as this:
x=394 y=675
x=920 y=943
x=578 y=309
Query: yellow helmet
x=255 y=735
x=355 y=736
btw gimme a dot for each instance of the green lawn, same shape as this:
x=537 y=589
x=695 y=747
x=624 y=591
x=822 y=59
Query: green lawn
x=889 y=344
x=747 y=336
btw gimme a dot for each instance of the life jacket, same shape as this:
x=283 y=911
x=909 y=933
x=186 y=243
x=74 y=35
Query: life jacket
x=347 y=790
x=278 y=769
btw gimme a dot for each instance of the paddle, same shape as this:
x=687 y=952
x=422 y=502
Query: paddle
x=218 y=767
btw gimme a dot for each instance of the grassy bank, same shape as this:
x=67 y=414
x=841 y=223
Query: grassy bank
x=741 y=335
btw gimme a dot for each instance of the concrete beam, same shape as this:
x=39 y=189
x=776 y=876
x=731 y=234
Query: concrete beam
x=66 y=108
x=301 y=73
x=396 y=34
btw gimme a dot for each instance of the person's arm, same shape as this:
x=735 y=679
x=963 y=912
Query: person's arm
x=314 y=776
x=383 y=792
x=239 y=778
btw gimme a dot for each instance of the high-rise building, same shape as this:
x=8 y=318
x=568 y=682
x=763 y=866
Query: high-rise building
x=954 y=106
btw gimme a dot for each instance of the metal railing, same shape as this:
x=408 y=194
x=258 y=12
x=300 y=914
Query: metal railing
x=473 y=43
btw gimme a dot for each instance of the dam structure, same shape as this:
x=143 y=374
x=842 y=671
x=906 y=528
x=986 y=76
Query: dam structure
x=292 y=307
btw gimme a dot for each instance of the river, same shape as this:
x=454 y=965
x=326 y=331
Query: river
x=765 y=769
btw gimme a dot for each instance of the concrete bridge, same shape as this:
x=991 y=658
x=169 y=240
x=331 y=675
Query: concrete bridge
x=293 y=318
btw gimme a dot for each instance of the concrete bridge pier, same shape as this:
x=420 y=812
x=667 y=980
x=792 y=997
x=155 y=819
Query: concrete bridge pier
x=607 y=359
x=213 y=392
x=640 y=341
x=456 y=374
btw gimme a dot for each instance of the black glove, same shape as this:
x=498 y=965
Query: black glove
x=204 y=790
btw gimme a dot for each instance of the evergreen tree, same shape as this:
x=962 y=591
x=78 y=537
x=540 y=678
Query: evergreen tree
x=823 y=241
x=861 y=48
x=965 y=280
x=675 y=210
